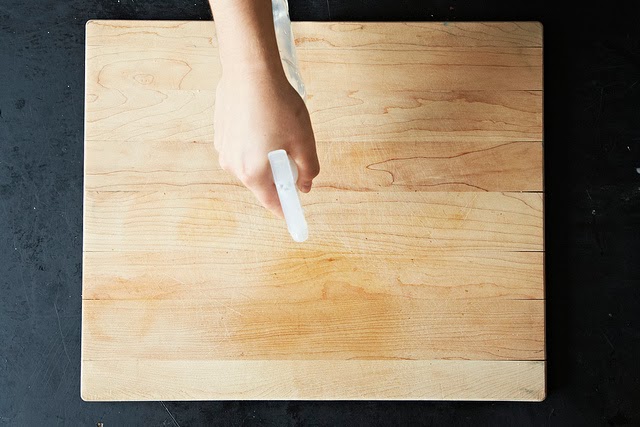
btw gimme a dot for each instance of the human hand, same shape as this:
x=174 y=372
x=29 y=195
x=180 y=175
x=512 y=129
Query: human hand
x=256 y=113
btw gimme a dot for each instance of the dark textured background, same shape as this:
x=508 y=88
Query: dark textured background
x=592 y=150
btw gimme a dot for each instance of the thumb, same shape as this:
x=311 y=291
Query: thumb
x=308 y=167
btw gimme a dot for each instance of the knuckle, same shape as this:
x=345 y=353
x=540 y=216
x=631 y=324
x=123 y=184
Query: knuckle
x=223 y=163
x=251 y=173
x=314 y=169
x=246 y=176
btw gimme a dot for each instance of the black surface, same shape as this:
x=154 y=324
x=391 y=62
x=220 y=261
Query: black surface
x=592 y=150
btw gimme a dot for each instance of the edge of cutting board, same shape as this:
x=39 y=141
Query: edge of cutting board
x=315 y=380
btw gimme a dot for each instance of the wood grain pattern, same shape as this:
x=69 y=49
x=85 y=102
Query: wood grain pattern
x=310 y=35
x=342 y=322
x=416 y=35
x=311 y=379
x=338 y=115
x=410 y=222
x=369 y=166
x=423 y=275
x=192 y=275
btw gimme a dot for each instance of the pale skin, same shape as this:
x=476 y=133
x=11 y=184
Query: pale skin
x=256 y=108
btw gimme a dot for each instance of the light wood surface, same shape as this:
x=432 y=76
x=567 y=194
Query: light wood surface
x=423 y=274
x=388 y=166
x=315 y=379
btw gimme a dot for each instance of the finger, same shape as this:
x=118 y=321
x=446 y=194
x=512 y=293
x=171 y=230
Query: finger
x=308 y=168
x=224 y=165
x=262 y=186
x=267 y=195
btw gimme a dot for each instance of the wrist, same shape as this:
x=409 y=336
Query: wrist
x=256 y=74
x=246 y=38
x=244 y=65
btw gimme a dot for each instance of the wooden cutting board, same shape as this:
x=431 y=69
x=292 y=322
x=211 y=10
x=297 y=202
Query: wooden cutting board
x=423 y=274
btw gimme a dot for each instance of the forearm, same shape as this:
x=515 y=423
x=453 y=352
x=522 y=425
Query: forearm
x=246 y=37
x=256 y=109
